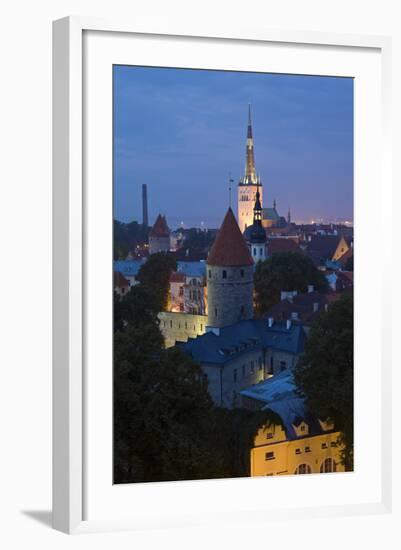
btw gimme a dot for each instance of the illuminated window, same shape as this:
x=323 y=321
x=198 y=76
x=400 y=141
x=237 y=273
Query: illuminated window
x=328 y=466
x=269 y=456
x=303 y=469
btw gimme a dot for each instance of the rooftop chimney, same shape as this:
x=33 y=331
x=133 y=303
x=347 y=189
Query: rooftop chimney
x=145 y=219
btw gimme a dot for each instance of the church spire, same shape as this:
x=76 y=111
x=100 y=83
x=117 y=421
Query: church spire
x=250 y=171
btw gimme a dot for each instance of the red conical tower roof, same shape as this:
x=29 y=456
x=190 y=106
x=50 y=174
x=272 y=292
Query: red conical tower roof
x=160 y=228
x=229 y=247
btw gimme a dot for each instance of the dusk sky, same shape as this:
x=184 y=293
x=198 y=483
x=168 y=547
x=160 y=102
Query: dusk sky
x=182 y=132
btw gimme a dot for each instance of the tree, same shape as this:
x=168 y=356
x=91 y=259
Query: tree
x=155 y=275
x=325 y=374
x=284 y=271
x=163 y=415
x=139 y=307
x=126 y=236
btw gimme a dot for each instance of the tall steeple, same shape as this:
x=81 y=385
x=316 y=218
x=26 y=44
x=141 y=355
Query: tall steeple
x=250 y=170
x=247 y=185
x=257 y=234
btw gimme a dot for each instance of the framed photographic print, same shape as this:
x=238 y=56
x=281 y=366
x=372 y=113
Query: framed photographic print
x=213 y=202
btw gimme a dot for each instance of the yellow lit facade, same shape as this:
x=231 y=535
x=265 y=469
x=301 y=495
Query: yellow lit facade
x=275 y=454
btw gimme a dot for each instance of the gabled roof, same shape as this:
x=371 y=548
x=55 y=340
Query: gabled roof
x=270 y=214
x=241 y=337
x=343 y=259
x=176 y=277
x=229 y=247
x=160 y=228
x=129 y=268
x=279 y=394
x=303 y=305
x=323 y=246
x=192 y=269
x=282 y=245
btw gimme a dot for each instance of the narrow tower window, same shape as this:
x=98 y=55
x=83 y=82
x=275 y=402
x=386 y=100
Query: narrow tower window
x=224 y=274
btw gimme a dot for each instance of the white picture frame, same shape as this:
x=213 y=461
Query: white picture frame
x=71 y=420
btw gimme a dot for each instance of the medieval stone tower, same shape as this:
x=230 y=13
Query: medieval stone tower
x=229 y=276
x=159 y=236
x=247 y=185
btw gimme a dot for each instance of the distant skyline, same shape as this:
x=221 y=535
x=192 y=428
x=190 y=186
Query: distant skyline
x=183 y=132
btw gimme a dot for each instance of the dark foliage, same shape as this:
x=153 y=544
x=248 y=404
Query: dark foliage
x=285 y=271
x=196 y=245
x=325 y=372
x=155 y=276
x=127 y=236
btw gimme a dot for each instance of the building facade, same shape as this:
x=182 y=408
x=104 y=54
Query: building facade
x=245 y=353
x=300 y=443
x=159 y=236
x=229 y=276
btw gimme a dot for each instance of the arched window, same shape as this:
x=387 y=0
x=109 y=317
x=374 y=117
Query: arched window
x=303 y=469
x=328 y=465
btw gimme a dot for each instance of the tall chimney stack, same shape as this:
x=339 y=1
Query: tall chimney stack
x=145 y=219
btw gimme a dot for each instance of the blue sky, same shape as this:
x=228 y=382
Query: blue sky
x=182 y=132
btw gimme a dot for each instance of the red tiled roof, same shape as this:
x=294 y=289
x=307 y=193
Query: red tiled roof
x=282 y=245
x=119 y=280
x=160 y=228
x=176 y=277
x=229 y=247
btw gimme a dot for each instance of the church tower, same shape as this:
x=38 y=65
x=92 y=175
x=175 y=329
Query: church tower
x=229 y=272
x=257 y=233
x=248 y=185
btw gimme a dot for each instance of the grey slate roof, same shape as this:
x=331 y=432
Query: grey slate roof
x=280 y=395
x=242 y=337
x=192 y=269
x=129 y=268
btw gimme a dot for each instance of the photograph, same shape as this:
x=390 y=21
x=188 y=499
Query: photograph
x=233 y=268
